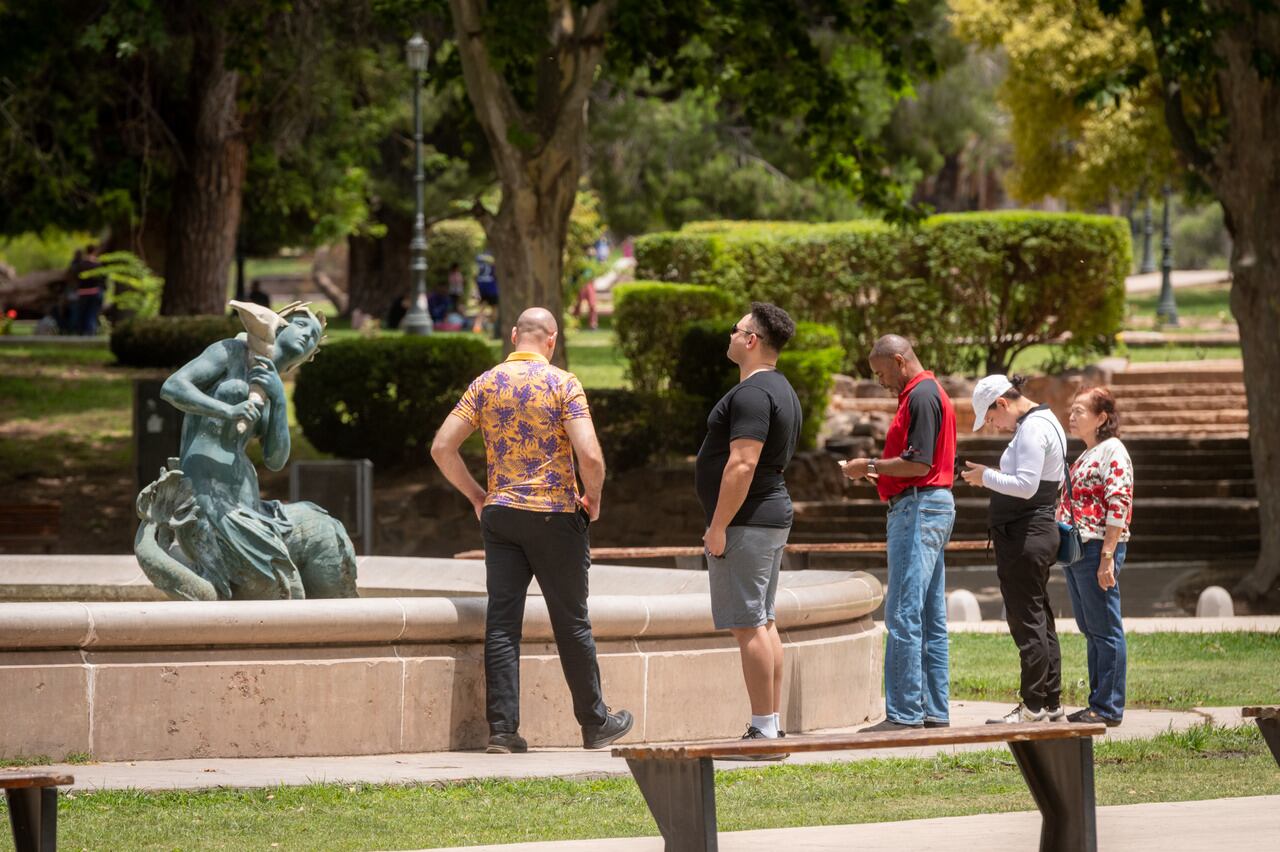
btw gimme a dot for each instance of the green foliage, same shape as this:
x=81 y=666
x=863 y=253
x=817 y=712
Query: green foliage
x=585 y=227
x=1200 y=239
x=449 y=242
x=49 y=249
x=383 y=398
x=168 y=341
x=808 y=361
x=648 y=315
x=971 y=290
x=636 y=427
x=131 y=285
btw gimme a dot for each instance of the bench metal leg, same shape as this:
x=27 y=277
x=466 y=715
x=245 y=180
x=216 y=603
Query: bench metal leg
x=681 y=795
x=1060 y=776
x=33 y=814
x=1271 y=733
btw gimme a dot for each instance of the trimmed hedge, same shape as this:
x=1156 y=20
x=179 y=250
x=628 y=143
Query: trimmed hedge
x=971 y=290
x=168 y=341
x=383 y=398
x=808 y=361
x=635 y=427
x=648 y=316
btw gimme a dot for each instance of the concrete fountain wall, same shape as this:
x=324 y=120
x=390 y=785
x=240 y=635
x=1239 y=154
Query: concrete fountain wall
x=122 y=676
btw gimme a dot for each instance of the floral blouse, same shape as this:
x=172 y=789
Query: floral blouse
x=1101 y=491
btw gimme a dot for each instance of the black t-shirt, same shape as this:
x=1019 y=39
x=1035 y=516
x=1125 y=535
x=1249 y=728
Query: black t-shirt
x=763 y=407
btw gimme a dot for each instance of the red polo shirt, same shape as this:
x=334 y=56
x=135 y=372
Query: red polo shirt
x=924 y=430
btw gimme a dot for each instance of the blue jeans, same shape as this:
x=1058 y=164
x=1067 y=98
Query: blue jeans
x=1098 y=616
x=916 y=672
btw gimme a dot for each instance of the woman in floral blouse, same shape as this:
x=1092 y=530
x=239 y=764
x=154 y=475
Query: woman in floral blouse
x=1101 y=507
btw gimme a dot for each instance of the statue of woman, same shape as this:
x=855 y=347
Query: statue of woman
x=206 y=532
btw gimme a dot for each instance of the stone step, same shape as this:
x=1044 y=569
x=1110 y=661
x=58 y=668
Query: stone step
x=1177 y=375
x=1201 y=430
x=1184 y=416
x=1184 y=402
x=1123 y=393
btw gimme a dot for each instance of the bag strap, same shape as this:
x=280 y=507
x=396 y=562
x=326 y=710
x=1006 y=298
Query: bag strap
x=1066 y=479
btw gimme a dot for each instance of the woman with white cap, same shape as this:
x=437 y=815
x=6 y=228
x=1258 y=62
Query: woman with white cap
x=1025 y=533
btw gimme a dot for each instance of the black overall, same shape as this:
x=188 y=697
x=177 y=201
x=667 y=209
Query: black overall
x=1025 y=536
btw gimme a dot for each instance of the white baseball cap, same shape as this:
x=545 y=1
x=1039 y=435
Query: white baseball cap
x=985 y=394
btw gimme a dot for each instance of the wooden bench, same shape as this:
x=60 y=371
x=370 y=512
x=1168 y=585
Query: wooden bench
x=30 y=525
x=1268 y=719
x=795 y=557
x=1056 y=760
x=33 y=808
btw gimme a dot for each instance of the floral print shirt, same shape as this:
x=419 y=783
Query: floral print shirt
x=520 y=408
x=1101 y=491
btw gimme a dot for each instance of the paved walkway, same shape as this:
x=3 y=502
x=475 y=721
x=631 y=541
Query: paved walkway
x=454 y=766
x=1239 y=825
x=1150 y=282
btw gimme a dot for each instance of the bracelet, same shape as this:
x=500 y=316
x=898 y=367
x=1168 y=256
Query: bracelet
x=1109 y=554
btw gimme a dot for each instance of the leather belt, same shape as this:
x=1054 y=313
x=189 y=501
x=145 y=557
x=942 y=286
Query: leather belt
x=915 y=490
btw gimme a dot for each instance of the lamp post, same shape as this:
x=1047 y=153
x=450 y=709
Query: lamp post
x=1148 y=264
x=418 y=320
x=1167 y=310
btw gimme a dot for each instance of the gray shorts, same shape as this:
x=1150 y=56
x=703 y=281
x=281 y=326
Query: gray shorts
x=744 y=581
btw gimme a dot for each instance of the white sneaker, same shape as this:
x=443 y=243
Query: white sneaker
x=1019 y=714
x=1054 y=714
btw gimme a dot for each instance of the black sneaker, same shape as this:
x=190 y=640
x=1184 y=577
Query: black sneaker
x=506 y=744
x=753 y=733
x=934 y=723
x=1090 y=716
x=614 y=727
x=890 y=725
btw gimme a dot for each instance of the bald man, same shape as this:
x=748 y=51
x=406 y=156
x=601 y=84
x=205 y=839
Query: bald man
x=914 y=477
x=533 y=418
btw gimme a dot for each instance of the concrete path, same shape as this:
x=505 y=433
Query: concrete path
x=1150 y=282
x=1240 y=825
x=448 y=767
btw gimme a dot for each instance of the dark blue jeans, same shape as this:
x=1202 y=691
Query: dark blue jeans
x=1098 y=616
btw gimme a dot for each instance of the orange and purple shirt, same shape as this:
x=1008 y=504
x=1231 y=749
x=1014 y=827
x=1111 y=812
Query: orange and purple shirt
x=520 y=408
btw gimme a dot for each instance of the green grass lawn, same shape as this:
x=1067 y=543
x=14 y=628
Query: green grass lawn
x=1201 y=763
x=1170 y=670
x=1212 y=301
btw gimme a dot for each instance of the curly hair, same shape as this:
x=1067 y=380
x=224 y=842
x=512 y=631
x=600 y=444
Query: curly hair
x=1100 y=401
x=773 y=325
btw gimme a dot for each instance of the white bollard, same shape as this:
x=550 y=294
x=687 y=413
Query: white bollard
x=962 y=606
x=1215 y=602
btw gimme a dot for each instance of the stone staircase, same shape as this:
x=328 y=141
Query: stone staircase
x=1197 y=398
x=1194 y=500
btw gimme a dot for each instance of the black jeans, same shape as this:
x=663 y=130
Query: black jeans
x=554 y=547
x=1026 y=549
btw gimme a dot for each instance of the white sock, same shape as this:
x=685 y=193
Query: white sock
x=766 y=725
x=777 y=721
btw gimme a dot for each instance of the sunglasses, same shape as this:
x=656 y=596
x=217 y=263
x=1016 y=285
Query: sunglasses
x=736 y=330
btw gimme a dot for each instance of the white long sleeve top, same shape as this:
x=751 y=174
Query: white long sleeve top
x=1034 y=454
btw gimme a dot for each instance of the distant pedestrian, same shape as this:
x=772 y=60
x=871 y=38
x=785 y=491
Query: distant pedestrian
x=534 y=418
x=457 y=287
x=1024 y=531
x=751 y=438
x=914 y=476
x=587 y=293
x=89 y=293
x=1099 y=502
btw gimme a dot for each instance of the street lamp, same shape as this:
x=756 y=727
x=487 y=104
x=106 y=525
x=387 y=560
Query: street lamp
x=1167 y=310
x=418 y=320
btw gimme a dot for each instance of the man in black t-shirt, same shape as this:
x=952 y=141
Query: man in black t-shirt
x=751 y=437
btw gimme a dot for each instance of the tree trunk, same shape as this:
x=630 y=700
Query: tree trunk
x=378 y=269
x=204 y=210
x=1247 y=182
x=527 y=238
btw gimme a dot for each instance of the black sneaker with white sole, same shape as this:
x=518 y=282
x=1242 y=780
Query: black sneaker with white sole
x=501 y=743
x=614 y=727
x=754 y=733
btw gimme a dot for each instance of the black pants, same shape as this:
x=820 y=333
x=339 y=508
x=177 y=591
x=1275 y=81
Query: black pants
x=1026 y=549
x=552 y=546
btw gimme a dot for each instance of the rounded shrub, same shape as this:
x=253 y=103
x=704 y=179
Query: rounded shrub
x=168 y=341
x=636 y=427
x=648 y=316
x=383 y=398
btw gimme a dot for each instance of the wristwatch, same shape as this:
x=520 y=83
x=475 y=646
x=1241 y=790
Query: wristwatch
x=1109 y=554
x=871 y=467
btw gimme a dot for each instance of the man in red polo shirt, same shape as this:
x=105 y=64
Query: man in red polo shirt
x=914 y=477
